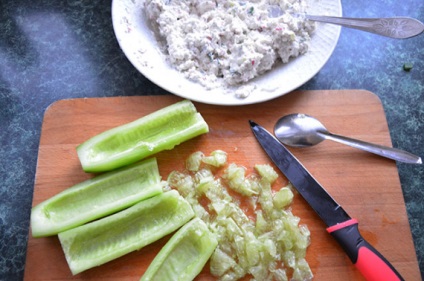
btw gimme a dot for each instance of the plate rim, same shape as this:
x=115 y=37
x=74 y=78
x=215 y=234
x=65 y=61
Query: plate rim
x=186 y=90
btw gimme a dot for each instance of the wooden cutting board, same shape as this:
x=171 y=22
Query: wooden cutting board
x=367 y=186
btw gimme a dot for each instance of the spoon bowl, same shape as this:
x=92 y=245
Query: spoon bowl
x=301 y=130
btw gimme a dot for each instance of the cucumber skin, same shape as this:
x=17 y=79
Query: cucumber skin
x=106 y=239
x=142 y=147
x=47 y=220
x=202 y=243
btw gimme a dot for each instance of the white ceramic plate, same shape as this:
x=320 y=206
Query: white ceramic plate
x=141 y=48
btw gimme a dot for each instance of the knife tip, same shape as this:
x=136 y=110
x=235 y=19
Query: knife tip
x=252 y=123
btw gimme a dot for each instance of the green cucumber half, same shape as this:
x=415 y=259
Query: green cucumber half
x=103 y=240
x=128 y=143
x=184 y=255
x=96 y=197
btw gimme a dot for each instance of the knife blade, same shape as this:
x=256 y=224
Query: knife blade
x=372 y=265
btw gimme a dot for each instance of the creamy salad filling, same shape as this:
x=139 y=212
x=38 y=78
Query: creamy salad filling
x=230 y=42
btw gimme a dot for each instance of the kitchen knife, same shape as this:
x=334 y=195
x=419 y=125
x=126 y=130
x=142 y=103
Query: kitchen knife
x=372 y=265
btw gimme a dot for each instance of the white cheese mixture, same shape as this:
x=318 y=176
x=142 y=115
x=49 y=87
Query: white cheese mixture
x=229 y=41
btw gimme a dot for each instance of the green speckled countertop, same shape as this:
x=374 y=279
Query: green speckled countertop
x=57 y=49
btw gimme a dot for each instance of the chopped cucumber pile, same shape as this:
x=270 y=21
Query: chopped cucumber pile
x=131 y=142
x=103 y=240
x=270 y=246
x=96 y=197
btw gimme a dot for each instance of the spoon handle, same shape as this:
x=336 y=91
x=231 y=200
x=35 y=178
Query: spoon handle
x=396 y=27
x=388 y=152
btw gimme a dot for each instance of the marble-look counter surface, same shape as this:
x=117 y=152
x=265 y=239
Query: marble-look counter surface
x=53 y=50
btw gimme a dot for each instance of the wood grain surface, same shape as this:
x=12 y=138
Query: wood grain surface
x=367 y=186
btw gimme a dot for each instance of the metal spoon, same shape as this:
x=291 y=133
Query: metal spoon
x=395 y=27
x=301 y=130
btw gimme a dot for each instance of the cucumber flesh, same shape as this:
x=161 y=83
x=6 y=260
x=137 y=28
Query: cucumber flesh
x=184 y=255
x=96 y=197
x=128 y=143
x=111 y=237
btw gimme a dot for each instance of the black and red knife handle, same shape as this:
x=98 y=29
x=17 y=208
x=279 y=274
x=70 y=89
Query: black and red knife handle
x=372 y=265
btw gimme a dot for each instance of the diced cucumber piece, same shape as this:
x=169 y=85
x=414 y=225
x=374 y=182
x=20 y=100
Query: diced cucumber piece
x=283 y=198
x=235 y=177
x=221 y=262
x=267 y=172
x=111 y=237
x=194 y=160
x=218 y=158
x=407 y=66
x=184 y=255
x=96 y=197
x=128 y=143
